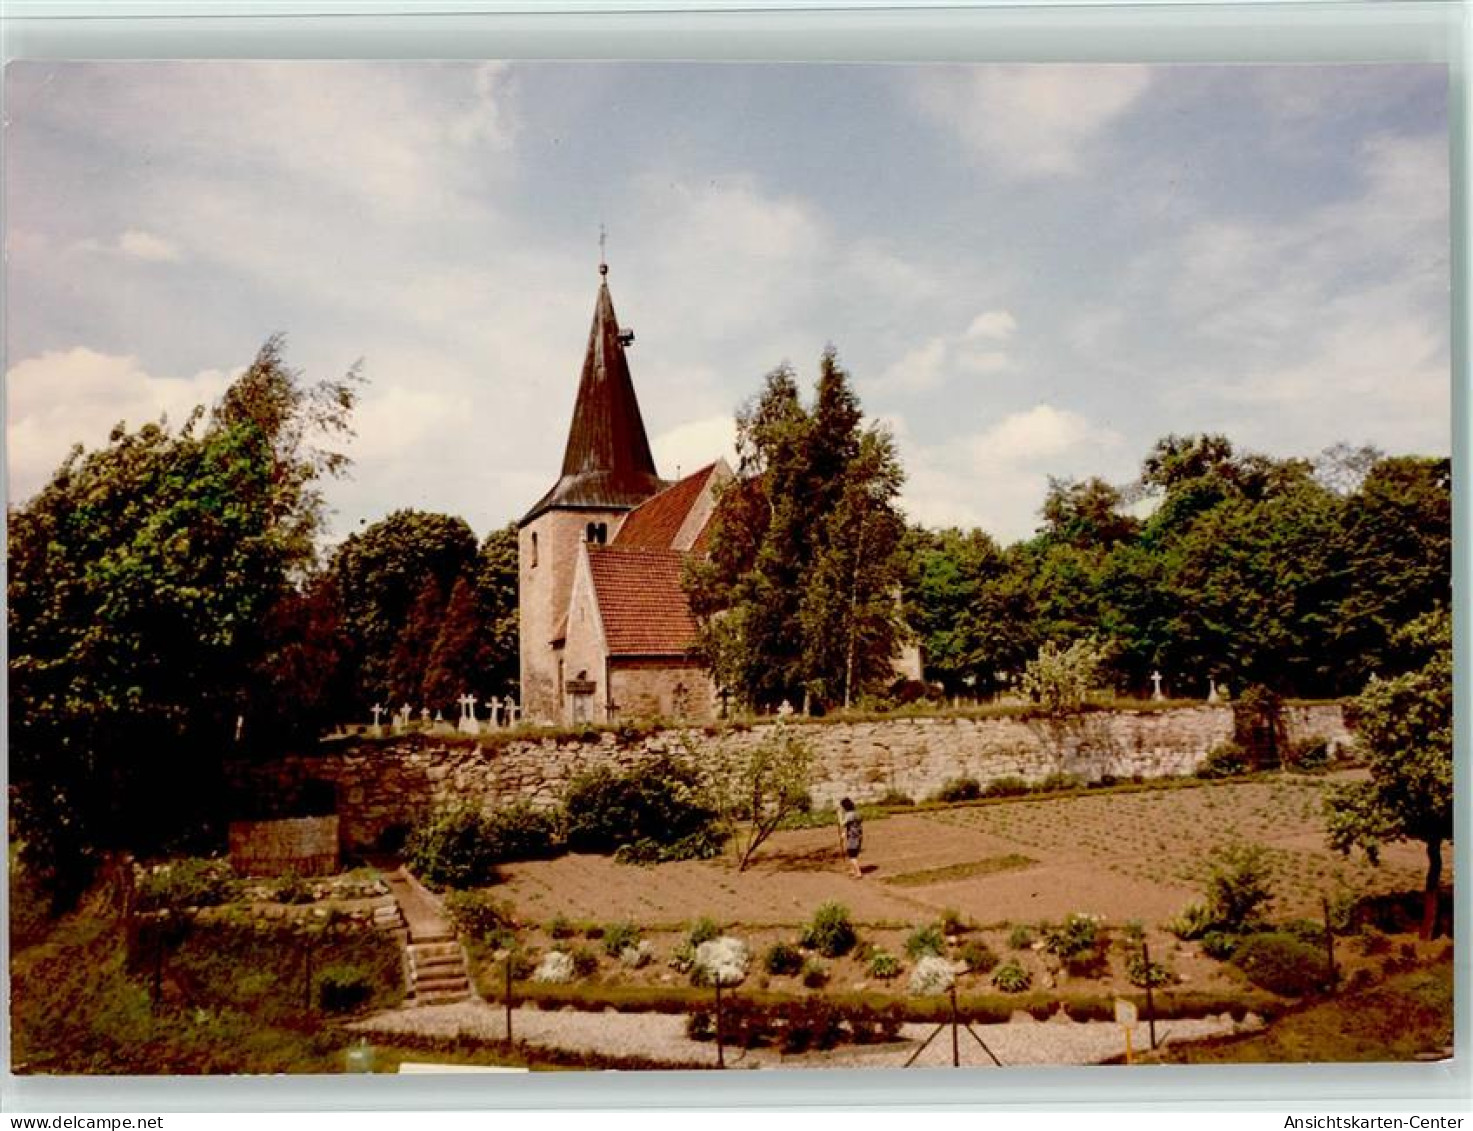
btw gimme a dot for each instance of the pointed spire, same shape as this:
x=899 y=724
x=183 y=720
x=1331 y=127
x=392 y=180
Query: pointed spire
x=607 y=462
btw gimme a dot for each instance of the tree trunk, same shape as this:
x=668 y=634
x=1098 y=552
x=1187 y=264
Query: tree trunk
x=1431 y=896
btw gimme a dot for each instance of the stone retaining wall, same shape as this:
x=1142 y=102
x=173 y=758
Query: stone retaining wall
x=381 y=786
x=307 y=846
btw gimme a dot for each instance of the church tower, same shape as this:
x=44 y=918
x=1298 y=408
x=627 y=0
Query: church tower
x=607 y=471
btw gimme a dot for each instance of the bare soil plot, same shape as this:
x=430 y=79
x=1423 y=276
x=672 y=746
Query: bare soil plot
x=1121 y=855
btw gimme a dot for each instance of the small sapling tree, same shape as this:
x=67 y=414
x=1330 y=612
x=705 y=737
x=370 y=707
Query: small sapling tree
x=754 y=790
x=1060 y=678
x=1405 y=726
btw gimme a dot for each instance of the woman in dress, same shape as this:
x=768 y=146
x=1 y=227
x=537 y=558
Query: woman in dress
x=851 y=835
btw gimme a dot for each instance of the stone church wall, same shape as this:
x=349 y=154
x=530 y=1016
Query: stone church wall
x=383 y=787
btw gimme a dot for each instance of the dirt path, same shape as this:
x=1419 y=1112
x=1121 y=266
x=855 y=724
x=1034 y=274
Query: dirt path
x=662 y=1037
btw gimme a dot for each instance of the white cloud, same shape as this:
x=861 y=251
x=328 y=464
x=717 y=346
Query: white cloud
x=992 y=325
x=146 y=245
x=1038 y=435
x=976 y=350
x=489 y=120
x=920 y=369
x=76 y=396
x=687 y=447
x=996 y=478
x=1031 y=120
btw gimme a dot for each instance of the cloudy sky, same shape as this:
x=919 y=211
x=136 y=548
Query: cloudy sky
x=1029 y=270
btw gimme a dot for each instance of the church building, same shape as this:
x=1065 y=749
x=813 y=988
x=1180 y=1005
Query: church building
x=606 y=629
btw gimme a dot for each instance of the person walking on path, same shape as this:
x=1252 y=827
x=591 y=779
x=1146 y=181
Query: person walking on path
x=851 y=835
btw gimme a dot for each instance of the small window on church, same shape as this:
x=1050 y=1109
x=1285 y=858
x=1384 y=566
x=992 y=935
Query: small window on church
x=534 y=549
x=597 y=533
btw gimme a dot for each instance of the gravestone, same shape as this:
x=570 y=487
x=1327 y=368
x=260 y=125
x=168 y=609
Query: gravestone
x=378 y=727
x=1156 y=686
x=468 y=722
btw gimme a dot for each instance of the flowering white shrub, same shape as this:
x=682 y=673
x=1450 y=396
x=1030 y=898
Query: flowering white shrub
x=932 y=975
x=637 y=955
x=554 y=967
x=724 y=960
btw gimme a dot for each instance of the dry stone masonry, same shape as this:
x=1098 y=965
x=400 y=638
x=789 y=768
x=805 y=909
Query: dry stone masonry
x=385 y=786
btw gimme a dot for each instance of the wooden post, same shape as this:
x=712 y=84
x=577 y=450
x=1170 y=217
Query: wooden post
x=307 y=982
x=956 y=1052
x=720 y=1049
x=509 y=956
x=1150 y=997
x=158 y=960
x=1330 y=945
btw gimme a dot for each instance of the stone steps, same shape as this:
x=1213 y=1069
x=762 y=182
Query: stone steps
x=435 y=970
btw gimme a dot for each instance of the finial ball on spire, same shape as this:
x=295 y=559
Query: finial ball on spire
x=603 y=267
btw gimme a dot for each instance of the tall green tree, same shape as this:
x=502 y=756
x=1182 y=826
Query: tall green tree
x=380 y=573
x=143 y=579
x=498 y=658
x=970 y=605
x=1405 y=725
x=798 y=598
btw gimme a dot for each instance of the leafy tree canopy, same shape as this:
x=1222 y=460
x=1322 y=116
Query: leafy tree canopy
x=798 y=598
x=1405 y=725
x=144 y=578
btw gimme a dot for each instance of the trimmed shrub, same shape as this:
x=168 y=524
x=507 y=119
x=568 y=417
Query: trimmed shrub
x=292 y=890
x=619 y=937
x=723 y=960
x=1195 y=920
x=585 y=961
x=702 y=930
x=524 y=832
x=1059 y=782
x=831 y=932
x=883 y=965
x=478 y=916
x=960 y=789
x=1011 y=978
x=952 y=923
x=179 y=884
x=453 y=848
x=561 y=927
x=1077 y=942
x=978 y=956
x=925 y=940
x=343 y=987
x=555 y=968
x=1239 y=885
x=1219 y=945
x=1225 y=760
x=815 y=974
x=932 y=975
x=1142 y=974
x=1020 y=937
x=1008 y=786
x=783 y=959
x=1309 y=753
x=657 y=810
x=1281 y=964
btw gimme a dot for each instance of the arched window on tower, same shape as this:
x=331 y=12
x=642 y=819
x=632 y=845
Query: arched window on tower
x=534 y=549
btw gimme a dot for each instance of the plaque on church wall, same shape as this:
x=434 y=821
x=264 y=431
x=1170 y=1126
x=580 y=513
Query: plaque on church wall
x=580 y=687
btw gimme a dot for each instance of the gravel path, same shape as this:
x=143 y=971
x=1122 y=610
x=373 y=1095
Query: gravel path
x=661 y=1036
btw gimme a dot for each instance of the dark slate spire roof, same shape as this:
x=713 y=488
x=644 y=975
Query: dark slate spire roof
x=607 y=463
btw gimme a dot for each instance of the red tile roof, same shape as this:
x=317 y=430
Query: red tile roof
x=656 y=521
x=644 y=609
